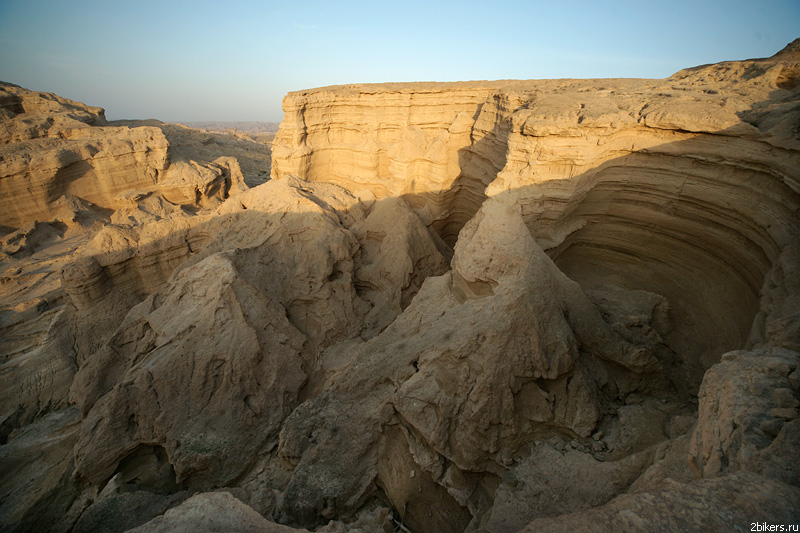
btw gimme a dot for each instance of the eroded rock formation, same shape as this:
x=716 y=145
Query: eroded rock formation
x=484 y=306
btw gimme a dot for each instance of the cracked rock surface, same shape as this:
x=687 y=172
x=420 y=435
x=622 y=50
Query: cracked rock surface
x=481 y=306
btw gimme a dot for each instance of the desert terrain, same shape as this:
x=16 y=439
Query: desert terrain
x=486 y=306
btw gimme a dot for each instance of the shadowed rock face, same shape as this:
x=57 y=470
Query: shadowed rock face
x=684 y=187
x=482 y=306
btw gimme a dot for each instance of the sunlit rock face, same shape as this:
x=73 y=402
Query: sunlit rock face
x=481 y=306
x=684 y=187
x=429 y=143
x=50 y=148
x=94 y=218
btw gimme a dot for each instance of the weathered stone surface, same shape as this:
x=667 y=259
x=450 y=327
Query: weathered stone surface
x=729 y=503
x=51 y=146
x=486 y=358
x=62 y=171
x=265 y=311
x=119 y=506
x=37 y=489
x=251 y=151
x=744 y=402
x=397 y=253
x=493 y=306
x=552 y=483
x=216 y=512
x=231 y=375
x=97 y=164
x=595 y=165
x=31 y=115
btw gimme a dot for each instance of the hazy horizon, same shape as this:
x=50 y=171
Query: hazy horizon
x=198 y=61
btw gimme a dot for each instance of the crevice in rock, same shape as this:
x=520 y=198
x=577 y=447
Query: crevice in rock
x=479 y=165
x=148 y=468
x=694 y=241
x=305 y=346
x=420 y=503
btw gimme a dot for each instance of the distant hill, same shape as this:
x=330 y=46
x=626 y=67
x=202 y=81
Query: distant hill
x=240 y=126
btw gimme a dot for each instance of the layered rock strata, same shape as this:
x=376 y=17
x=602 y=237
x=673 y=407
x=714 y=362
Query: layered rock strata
x=488 y=306
x=706 y=157
x=673 y=204
x=76 y=254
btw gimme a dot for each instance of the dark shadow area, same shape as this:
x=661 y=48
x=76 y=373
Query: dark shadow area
x=479 y=164
x=673 y=220
x=148 y=468
x=65 y=177
x=699 y=233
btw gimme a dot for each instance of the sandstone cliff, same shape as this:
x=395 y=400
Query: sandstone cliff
x=483 y=306
x=71 y=182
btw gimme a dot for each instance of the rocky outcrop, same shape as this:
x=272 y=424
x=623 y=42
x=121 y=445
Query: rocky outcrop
x=214 y=511
x=306 y=303
x=488 y=306
x=51 y=147
x=736 y=501
x=251 y=150
x=708 y=156
x=37 y=489
x=673 y=204
x=412 y=140
x=502 y=350
x=32 y=115
x=69 y=182
x=95 y=164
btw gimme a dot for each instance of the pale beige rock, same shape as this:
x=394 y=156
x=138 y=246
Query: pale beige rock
x=214 y=512
x=275 y=323
x=251 y=151
x=594 y=165
x=729 y=503
x=745 y=400
x=95 y=164
x=397 y=253
x=189 y=183
x=86 y=168
x=30 y=115
x=485 y=359
x=247 y=376
x=51 y=146
x=408 y=140
x=37 y=338
x=483 y=304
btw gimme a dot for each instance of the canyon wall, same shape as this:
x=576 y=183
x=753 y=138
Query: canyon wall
x=681 y=193
x=685 y=187
x=85 y=209
x=410 y=140
x=482 y=306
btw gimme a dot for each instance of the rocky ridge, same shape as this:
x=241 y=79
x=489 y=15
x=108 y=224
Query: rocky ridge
x=483 y=306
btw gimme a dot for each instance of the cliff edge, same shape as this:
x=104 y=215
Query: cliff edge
x=484 y=306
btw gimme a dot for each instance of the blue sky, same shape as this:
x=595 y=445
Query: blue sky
x=235 y=60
